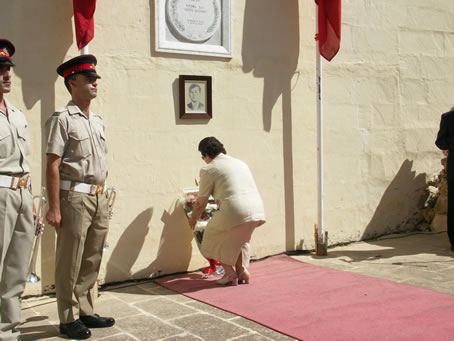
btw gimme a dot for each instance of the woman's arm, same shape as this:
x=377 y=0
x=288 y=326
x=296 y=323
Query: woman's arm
x=197 y=210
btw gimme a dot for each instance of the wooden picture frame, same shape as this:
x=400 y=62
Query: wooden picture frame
x=195 y=97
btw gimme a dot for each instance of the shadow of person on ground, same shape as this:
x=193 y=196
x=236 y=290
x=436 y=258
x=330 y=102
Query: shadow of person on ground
x=38 y=332
x=188 y=283
x=175 y=246
x=270 y=50
x=128 y=248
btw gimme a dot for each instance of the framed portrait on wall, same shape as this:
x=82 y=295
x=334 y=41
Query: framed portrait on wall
x=195 y=97
x=199 y=27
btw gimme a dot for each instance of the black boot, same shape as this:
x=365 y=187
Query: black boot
x=75 y=330
x=96 y=321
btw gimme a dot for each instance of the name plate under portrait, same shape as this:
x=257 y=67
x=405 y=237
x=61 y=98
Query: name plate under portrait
x=201 y=27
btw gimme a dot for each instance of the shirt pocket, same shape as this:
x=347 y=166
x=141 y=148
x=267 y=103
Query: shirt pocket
x=23 y=139
x=79 y=145
x=5 y=141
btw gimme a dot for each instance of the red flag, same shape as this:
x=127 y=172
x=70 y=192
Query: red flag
x=84 y=21
x=329 y=27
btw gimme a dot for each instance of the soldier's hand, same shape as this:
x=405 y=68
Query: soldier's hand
x=53 y=217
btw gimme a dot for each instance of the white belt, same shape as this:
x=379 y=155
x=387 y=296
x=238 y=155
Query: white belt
x=80 y=187
x=15 y=182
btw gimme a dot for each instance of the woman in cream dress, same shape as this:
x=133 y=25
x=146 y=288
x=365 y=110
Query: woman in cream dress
x=228 y=233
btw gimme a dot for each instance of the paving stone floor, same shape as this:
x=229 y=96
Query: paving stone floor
x=422 y=259
x=146 y=311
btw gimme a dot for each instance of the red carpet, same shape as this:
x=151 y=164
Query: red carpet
x=309 y=302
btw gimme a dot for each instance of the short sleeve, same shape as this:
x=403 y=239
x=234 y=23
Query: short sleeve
x=206 y=185
x=57 y=136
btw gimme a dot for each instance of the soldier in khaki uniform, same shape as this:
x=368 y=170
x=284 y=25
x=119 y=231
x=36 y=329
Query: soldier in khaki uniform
x=16 y=203
x=78 y=209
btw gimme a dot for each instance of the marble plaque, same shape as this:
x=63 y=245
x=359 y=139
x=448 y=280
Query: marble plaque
x=194 y=20
x=200 y=27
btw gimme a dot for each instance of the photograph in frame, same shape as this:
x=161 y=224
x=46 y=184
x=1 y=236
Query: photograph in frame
x=195 y=97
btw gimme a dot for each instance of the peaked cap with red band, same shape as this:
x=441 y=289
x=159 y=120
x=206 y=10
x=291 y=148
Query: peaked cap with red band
x=81 y=64
x=6 y=52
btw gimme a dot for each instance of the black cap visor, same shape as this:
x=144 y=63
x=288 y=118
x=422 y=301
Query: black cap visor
x=88 y=73
x=6 y=62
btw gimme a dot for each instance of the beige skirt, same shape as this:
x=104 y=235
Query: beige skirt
x=225 y=245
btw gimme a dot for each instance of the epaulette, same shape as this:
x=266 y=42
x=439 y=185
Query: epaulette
x=59 y=111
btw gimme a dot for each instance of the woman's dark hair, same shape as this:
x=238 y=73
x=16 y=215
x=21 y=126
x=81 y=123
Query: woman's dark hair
x=211 y=146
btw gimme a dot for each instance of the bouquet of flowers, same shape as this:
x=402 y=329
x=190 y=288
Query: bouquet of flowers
x=190 y=197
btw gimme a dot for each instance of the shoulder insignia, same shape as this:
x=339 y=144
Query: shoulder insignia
x=59 y=111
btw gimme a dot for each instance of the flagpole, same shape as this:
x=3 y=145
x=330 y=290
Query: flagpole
x=320 y=165
x=84 y=50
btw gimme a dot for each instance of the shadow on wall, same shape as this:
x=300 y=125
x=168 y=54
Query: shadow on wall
x=270 y=50
x=401 y=204
x=42 y=33
x=175 y=248
x=128 y=247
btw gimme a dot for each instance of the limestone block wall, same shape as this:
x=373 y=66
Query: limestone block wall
x=385 y=93
x=383 y=96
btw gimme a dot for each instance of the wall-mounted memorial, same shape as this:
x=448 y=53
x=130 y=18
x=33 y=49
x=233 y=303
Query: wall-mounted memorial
x=200 y=27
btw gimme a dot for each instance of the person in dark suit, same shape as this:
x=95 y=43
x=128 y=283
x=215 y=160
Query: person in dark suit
x=445 y=141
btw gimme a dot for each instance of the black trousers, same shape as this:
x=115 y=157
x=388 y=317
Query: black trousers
x=451 y=211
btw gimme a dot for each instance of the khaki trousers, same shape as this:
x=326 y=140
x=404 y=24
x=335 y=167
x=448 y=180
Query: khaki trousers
x=16 y=242
x=80 y=242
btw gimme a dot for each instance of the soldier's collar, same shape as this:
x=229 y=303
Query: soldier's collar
x=74 y=109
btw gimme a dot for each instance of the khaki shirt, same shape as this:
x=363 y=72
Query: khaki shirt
x=81 y=144
x=14 y=142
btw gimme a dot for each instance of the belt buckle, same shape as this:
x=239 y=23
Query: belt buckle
x=100 y=189
x=21 y=182
x=95 y=189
